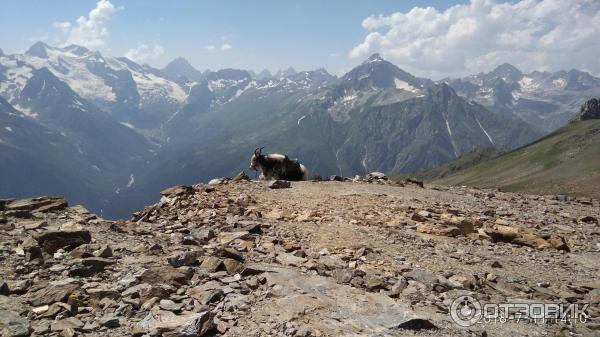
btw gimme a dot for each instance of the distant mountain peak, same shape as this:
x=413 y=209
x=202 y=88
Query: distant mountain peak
x=1 y=52
x=285 y=73
x=507 y=71
x=38 y=49
x=442 y=92
x=180 y=61
x=264 y=74
x=180 y=67
x=374 y=58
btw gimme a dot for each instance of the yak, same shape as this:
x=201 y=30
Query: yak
x=275 y=166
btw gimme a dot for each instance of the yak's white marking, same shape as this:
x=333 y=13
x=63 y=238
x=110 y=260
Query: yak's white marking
x=8 y=128
x=275 y=156
x=300 y=119
x=96 y=168
x=482 y=129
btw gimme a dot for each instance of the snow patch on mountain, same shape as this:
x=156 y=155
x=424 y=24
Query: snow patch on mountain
x=152 y=88
x=404 y=85
x=71 y=68
x=482 y=129
x=131 y=180
x=559 y=83
x=129 y=125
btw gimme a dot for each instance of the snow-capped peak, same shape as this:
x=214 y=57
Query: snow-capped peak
x=374 y=58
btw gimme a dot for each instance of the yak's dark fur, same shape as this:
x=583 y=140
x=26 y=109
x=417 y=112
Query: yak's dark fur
x=277 y=166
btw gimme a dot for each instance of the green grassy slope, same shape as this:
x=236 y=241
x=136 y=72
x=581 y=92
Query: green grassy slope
x=564 y=162
x=462 y=163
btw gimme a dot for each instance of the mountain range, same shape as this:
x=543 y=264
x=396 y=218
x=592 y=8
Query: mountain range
x=107 y=131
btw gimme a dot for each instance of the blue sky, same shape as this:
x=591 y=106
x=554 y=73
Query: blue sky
x=451 y=38
x=263 y=34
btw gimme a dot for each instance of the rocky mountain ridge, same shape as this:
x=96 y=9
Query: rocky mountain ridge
x=544 y=100
x=237 y=258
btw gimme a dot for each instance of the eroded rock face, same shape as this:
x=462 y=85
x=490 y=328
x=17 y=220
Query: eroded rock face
x=350 y=258
x=589 y=110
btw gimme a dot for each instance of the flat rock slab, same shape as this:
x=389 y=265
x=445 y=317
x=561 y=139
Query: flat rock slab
x=334 y=309
x=51 y=294
x=43 y=204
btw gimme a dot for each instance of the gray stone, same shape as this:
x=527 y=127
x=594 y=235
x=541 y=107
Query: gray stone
x=67 y=323
x=170 y=305
x=288 y=259
x=52 y=294
x=183 y=259
x=189 y=325
x=275 y=184
x=202 y=236
x=206 y=296
x=110 y=321
x=13 y=325
x=211 y=264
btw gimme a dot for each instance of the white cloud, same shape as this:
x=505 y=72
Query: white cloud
x=64 y=27
x=143 y=52
x=90 y=31
x=223 y=47
x=465 y=39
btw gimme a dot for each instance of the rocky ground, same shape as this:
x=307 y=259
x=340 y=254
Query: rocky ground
x=337 y=258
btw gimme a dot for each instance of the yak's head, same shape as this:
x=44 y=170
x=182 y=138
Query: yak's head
x=255 y=160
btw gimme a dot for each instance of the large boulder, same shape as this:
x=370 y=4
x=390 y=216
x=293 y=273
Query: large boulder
x=51 y=241
x=589 y=110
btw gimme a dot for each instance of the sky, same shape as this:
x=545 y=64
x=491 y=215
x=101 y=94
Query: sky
x=432 y=39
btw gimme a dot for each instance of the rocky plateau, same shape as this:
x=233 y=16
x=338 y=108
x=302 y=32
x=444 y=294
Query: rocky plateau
x=347 y=257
